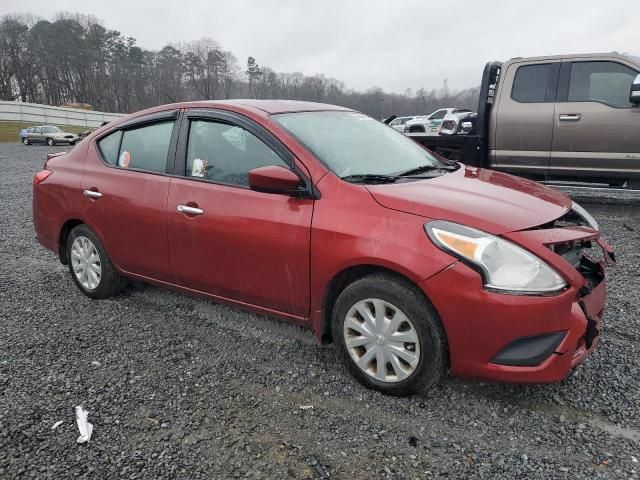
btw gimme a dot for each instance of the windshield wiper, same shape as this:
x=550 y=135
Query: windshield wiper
x=426 y=168
x=370 y=178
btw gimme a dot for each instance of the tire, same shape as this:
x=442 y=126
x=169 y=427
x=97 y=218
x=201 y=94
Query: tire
x=25 y=141
x=429 y=351
x=109 y=282
x=50 y=142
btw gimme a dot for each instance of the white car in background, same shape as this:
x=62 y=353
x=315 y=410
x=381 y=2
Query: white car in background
x=430 y=124
x=399 y=122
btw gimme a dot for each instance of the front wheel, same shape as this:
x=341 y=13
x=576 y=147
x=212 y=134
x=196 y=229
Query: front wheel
x=26 y=141
x=389 y=336
x=50 y=142
x=90 y=266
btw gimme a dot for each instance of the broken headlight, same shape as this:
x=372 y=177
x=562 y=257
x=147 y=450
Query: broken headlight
x=504 y=266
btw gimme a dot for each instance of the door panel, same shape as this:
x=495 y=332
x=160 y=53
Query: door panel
x=247 y=246
x=130 y=216
x=127 y=206
x=524 y=122
x=596 y=131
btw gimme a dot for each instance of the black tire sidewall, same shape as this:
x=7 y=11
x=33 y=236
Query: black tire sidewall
x=411 y=302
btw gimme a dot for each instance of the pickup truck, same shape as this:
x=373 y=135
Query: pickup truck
x=566 y=117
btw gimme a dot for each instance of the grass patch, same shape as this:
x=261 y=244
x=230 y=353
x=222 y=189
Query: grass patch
x=9 y=130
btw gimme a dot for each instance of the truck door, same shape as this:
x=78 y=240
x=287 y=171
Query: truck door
x=524 y=118
x=596 y=128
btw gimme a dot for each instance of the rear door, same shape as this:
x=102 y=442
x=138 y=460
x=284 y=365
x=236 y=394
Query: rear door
x=125 y=185
x=247 y=246
x=524 y=118
x=37 y=135
x=596 y=128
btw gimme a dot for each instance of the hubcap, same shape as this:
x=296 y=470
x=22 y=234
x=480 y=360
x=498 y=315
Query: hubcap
x=85 y=262
x=381 y=340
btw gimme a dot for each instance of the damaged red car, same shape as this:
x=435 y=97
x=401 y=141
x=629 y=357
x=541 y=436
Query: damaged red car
x=323 y=216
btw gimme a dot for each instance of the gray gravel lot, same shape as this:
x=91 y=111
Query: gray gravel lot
x=180 y=387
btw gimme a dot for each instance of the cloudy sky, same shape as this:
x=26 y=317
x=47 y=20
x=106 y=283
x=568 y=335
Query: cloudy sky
x=393 y=44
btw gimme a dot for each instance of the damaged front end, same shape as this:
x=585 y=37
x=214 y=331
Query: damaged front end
x=585 y=256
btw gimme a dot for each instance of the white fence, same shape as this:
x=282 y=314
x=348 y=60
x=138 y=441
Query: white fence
x=45 y=114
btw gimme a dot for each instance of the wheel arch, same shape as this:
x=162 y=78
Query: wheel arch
x=64 y=235
x=347 y=276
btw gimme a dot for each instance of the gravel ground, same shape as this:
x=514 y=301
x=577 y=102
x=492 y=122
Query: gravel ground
x=180 y=387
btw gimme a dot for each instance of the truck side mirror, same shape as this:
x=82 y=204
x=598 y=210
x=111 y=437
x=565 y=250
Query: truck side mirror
x=634 y=96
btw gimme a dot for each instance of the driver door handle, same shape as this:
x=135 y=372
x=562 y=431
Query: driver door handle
x=92 y=194
x=570 y=117
x=189 y=210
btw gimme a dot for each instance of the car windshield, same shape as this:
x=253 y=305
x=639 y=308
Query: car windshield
x=350 y=143
x=50 y=130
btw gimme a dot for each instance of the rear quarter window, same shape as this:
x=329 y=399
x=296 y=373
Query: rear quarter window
x=109 y=147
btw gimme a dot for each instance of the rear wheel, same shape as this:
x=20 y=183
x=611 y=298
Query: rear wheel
x=90 y=266
x=50 y=142
x=388 y=335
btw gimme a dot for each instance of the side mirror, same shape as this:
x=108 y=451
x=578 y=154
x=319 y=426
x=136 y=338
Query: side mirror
x=274 y=179
x=634 y=95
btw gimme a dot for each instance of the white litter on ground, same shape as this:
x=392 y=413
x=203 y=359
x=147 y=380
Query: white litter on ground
x=56 y=425
x=306 y=407
x=83 y=425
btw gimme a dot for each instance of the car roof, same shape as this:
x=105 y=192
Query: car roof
x=282 y=106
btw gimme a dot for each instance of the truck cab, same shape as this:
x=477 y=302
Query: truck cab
x=567 y=116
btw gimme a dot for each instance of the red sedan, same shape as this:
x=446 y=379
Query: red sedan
x=323 y=216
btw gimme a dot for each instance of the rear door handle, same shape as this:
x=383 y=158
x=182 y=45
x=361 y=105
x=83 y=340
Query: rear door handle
x=92 y=194
x=570 y=117
x=189 y=210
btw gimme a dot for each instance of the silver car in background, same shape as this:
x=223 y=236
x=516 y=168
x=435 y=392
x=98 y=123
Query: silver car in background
x=49 y=134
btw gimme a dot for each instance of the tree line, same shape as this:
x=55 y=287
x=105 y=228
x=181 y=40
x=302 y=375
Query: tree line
x=76 y=59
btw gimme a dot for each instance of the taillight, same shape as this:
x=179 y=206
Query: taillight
x=41 y=176
x=448 y=125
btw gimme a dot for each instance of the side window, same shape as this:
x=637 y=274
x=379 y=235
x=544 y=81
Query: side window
x=531 y=84
x=146 y=148
x=109 y=146
x=30 y=130
x=604 y=82
x=438 y=115
x=397 y=121
x=225 y=153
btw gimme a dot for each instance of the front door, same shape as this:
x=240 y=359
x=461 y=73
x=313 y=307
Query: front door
x=596 y=128
x=230 y=241
x=524 y=125
x=126 y=187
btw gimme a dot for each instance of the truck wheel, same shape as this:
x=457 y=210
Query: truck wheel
x=388 y=336
x=26 y=141
x=50 y=142
x=90 y=266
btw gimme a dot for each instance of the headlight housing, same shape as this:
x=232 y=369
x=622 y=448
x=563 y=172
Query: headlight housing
x=504 y=266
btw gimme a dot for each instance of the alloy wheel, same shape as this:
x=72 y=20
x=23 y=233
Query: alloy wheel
x=381 y=340
x=85 y=262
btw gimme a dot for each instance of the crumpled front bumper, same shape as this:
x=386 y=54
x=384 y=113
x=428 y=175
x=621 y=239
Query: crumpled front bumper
x=520 y=338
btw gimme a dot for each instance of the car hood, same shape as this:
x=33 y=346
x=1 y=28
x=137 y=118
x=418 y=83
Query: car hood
x=485 y=199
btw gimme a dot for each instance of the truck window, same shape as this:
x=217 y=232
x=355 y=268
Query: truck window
x=604 y=82
x=532 y=84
